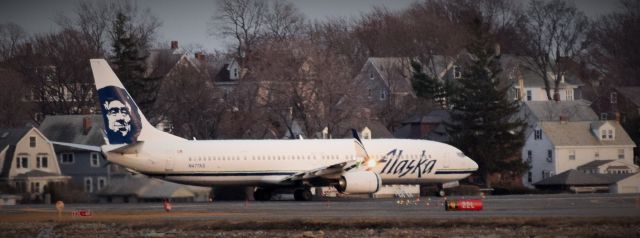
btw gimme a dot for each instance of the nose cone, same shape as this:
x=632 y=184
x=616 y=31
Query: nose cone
x=472 y=164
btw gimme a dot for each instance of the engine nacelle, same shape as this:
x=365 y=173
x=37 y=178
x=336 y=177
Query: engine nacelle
x=359 y=182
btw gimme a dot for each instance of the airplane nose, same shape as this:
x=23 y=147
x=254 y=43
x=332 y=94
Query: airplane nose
x=472 y=164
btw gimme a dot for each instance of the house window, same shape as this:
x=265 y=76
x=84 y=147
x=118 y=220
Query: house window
x=569 y=93
x=235 y=73
x=102 y=181
x=604 y=116
x=529 y=95
x=537 y=134
x=610 y=134
x=529 y=155
x=572 y=155
x=549 y=156
x=620 y=153
x=22 y=161
x=370 y=93
x=66 y=158
x=529 y=177
x=35 y=187
x=88 y=185
x=517 y=94
x=371 y=75
x=603 y=133
x=95 y=160
x=42 y=161
x=25 y=162
x=457 y=72
x=597 y=155
x=383 y=94
x=32 y=141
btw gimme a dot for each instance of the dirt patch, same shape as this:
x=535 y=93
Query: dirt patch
x=468 y=227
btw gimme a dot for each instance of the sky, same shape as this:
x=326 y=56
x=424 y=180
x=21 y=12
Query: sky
x=189 y=21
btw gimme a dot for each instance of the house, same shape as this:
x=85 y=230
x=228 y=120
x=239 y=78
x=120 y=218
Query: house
x=528 y=85
x=140 y=188
x=534 y=112
x=385 y=79
x=622 y=103
x=430 y=126
x=28 y=162
x=554 y=147
x=87 y=169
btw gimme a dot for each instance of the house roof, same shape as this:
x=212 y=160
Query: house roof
x=579 y=133
x=574 y=177
x=632 y=94
x=161 y=61
x=578 y=110
x=435 y=116
x=377 y=129
x=594 y=164
x=69 y=128
x=11 y=136
x=513 y=65
x=395 y=72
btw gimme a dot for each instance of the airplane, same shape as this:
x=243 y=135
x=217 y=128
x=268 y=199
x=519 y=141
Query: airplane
x=352 y=166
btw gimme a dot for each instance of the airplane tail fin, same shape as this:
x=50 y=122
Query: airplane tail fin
x=124 y=122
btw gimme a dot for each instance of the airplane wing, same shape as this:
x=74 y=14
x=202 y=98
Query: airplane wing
x=327 y=172
x=334 y=171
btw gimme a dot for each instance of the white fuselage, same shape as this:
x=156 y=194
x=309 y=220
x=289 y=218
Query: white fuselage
x=268 y=162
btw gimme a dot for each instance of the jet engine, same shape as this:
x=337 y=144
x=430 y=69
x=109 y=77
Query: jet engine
x=359 y=182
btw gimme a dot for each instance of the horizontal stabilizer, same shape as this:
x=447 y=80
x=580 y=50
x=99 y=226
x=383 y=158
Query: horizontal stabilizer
x=78 y=146
x=127 y=149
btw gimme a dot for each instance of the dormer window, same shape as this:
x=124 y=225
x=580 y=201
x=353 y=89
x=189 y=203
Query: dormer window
x=537 y=134
x=457 y=72
x=371 y=75
x=610 y=134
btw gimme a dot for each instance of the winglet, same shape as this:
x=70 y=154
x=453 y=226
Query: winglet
x=361 y=151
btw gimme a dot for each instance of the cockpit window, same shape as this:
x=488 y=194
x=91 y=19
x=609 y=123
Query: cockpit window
x=460 y=154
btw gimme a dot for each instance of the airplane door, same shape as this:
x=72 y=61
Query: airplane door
x=170 y=161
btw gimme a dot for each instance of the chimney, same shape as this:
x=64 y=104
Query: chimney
x=564 y=119
x=200 y=56
x=174 y=45
x=86 y=125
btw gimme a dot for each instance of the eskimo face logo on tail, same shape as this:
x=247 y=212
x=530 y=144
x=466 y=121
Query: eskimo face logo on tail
x=120 y=114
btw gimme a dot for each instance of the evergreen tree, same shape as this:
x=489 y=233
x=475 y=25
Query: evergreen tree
x=484 y=125
x=129 y=55
x=428 y=87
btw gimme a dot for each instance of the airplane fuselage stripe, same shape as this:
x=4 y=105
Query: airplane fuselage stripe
x=455 y=172
x=222 y=174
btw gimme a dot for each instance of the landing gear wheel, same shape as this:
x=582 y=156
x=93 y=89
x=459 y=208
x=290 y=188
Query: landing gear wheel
x=302 y=195
x=262 y=194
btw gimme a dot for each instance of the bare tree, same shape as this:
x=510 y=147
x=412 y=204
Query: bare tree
x=11 y=35
x=93 y=19
x=614 y=44
x=284 y=21
x=14 y=108
x=56 y=70
x=555 y=34
x=242 y=20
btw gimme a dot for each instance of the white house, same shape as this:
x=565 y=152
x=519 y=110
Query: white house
x=529 y=85
x=557 y=146
x=28 y=161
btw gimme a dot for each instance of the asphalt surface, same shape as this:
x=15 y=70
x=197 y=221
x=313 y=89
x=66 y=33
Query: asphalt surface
x=562 y=205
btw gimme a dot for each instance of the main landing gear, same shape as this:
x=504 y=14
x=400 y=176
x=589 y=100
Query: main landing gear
x=303 y=194
x=262 y=194
x=300 y=194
